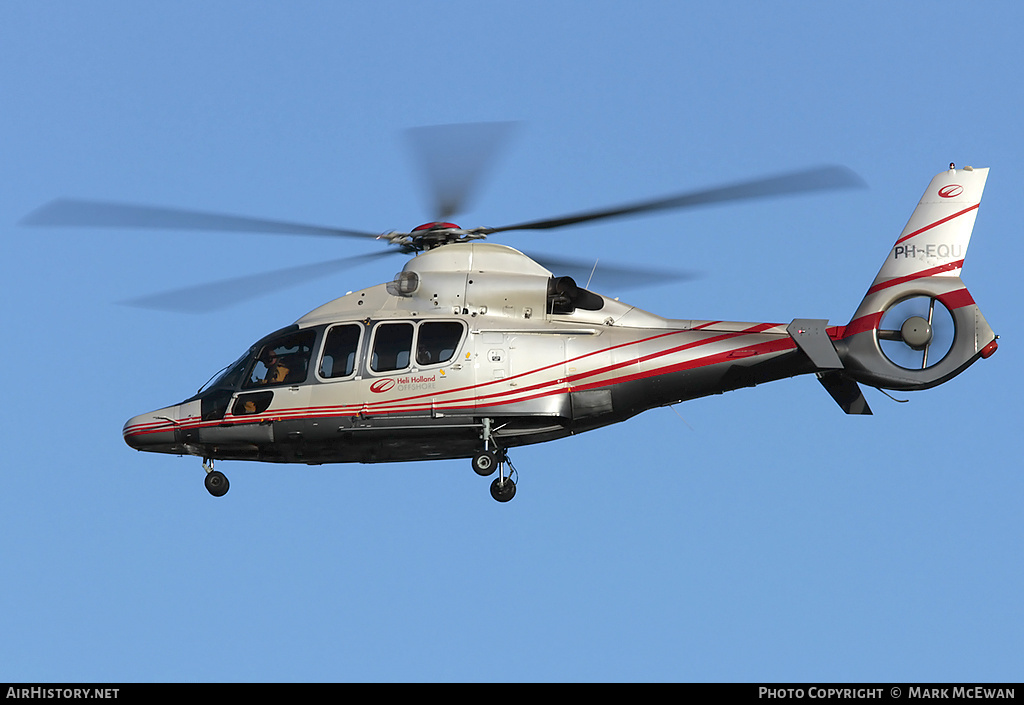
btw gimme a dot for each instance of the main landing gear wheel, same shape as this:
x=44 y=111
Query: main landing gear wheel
x=491 y=458
x=216 y=482
x=485 y=462
x=503 y=489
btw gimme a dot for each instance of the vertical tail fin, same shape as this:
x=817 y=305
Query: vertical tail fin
x=935 y=241
x=918 y=326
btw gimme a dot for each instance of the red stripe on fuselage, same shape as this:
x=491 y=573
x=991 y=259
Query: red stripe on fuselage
x=560 y=385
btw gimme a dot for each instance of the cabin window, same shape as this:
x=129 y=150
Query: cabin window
x=392 y=344
x=283 y=360
x=340 y=349
x=437 y=342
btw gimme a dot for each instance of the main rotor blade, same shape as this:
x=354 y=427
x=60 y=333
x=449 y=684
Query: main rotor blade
x=69 y=212
x=229 y=292
x=595 y=274
x=818 y=179
x=453 y=158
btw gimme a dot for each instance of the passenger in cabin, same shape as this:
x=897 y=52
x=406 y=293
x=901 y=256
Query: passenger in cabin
x=423 y=354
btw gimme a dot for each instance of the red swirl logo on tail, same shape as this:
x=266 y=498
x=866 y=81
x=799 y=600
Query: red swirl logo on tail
x=382 y=385
x=951 y=191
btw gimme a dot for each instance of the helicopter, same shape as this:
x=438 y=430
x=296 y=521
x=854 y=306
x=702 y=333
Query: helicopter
x=476 y=348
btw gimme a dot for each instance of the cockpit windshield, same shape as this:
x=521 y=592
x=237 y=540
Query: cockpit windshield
x=230 y=376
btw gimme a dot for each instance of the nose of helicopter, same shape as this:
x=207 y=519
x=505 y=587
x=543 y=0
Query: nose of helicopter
x=152 y=431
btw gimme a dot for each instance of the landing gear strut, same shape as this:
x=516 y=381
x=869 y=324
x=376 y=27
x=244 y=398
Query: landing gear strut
x=216 y=482
x=492 y=458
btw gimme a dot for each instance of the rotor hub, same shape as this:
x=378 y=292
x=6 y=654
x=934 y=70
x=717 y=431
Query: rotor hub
x=431 y=235
x=435 y=226
x=917 y=332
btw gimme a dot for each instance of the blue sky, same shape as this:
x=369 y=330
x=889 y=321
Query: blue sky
x=757 y=536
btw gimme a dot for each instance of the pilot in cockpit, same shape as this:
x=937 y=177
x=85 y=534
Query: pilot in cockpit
x=276 y=370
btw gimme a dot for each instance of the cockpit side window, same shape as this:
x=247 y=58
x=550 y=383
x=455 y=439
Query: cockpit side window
x=437 y=342
x=392 y=344
x=340 y=350
x=283 y=360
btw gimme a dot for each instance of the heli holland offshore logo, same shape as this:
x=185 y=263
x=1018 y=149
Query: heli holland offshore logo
x=382 y=385
x=403 y=384
x=951 y=191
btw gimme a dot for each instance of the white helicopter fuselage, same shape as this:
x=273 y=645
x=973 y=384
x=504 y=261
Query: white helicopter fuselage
x=468 y=334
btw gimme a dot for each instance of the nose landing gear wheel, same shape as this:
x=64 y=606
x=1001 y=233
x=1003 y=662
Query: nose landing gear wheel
x=503 y=489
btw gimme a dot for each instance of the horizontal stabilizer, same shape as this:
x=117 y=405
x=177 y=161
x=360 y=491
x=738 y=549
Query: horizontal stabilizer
x=845 y=391
x=811 y=336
